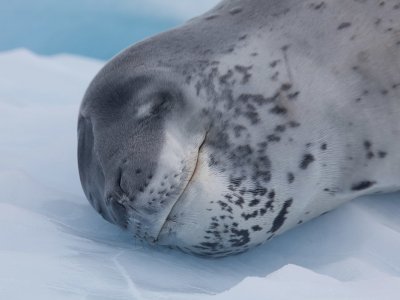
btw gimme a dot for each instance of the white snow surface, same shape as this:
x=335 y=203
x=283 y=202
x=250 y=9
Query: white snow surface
x=53 y=245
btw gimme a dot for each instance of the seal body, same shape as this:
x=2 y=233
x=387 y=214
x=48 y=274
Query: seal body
x=246 y=121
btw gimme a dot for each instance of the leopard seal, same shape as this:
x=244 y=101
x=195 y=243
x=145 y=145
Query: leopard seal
x=255 y=117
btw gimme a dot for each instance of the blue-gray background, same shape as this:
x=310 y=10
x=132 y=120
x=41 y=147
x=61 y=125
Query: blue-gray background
x=94 y=28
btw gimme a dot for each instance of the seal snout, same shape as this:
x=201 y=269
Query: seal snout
x=130 y=180
x=140 y=193
x=135 y=176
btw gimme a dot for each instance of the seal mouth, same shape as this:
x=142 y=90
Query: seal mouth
x=183 y=190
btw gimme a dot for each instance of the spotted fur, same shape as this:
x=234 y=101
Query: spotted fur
x=248 y=120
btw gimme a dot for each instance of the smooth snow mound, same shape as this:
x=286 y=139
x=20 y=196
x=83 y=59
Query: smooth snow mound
x=53 y=245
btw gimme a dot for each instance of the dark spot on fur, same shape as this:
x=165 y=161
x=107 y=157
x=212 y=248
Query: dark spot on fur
x=318 y=6
x=290 y=177
x=252 y=116
x=262 y=211
x=280 y=128
x=324 y=146
x=239 y=201
x=244 y=71
x=228 y=197
x=209 y=245
x=254 y=202
x=273 y=138
x=271 y=194
x=236 y=181
x=307 y=160
x=224 y=78
x=285 y=47
x=281 y=217
x=256 y=99
x=367 y=144
x=362 y=185
x=238 y=129
x=294 y=95
x=242 y=237
x=274 y=63
x=278 y=110
x=286 y=86
x=294 y=124
x=249 y=216
x=382 y=154
x=256 y=228
x=269 y=205
x=344 y=25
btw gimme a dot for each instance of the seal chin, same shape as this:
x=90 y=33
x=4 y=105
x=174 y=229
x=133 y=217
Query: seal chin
x=178 y=199
x=143 y=223
x=148 y=221
x=186 y=222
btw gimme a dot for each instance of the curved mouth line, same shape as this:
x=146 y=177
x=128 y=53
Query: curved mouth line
x=183 y=190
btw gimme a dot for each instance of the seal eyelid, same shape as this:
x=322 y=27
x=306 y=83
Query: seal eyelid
x=144 y=110
x=163 y=102
x=156 y=104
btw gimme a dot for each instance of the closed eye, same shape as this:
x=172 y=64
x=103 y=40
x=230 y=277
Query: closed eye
x=144 y=110
x=160 y=103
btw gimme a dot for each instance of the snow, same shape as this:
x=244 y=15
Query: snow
x=53 y=245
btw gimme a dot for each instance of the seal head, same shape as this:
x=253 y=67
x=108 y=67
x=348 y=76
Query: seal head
x=138 y=147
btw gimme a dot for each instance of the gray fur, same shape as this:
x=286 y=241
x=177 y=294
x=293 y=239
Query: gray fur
x=246 y=121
